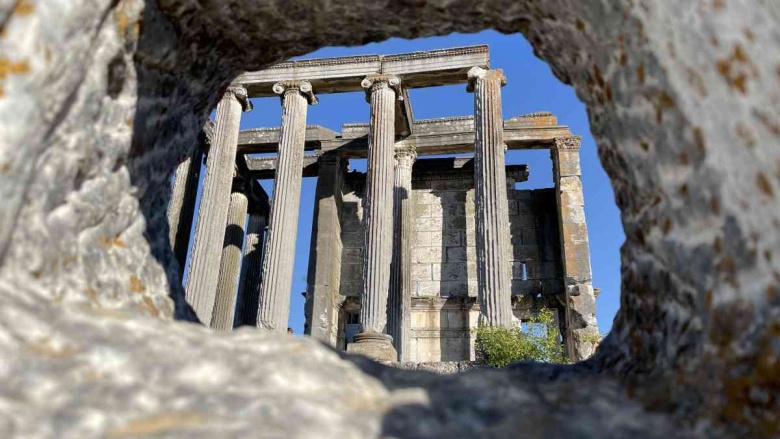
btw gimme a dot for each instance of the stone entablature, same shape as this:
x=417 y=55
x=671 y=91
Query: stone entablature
x=416 y=69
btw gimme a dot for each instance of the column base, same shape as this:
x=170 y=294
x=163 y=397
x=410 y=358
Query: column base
x=378 y=347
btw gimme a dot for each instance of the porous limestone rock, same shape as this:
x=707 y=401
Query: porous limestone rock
x=99 y=98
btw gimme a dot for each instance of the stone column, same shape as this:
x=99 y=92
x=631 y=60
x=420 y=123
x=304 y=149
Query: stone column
x=382 y=92
x=274 y=303
x=325 y=250
x=181 y=208
x=214 y=202
x=230 y=264
x=492 y=216
x=251 y=271
x=582 y=334
x=399 y=306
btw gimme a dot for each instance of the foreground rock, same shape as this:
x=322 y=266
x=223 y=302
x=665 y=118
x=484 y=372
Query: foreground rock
x=99 y=100
x=76 y=374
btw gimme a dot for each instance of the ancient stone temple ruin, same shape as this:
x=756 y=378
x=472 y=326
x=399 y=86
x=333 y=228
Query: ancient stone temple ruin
x=409 y=257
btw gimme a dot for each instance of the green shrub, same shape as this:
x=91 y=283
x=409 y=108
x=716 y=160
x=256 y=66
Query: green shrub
x=498 y=346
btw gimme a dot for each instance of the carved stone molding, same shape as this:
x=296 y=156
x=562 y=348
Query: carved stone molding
x=405 y=155
x=241 y=94
x=369 y=82
x=571 y=142
x=476 y=73
x=302 y=87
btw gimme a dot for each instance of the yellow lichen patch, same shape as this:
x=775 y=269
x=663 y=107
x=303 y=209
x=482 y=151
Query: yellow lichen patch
x=127 y=24
x=663 y=102
x=136 y=286
x=728 y=270
x=667 y=226
x=8 y=67
x=91 y=294
x=718 y=245
x=715 y=205
x=157 y=424
x=744 y=135
x=696 y=81
x=762 y=377
x=698 y=140
x=109 y=242
x=23 y=8
x=640 y=74
x=148 y=306
x=772 y=126
x=736 y=69
x=764 y=185
x=45 y=348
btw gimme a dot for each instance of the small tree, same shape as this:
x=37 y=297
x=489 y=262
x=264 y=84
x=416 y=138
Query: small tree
x=498 y=346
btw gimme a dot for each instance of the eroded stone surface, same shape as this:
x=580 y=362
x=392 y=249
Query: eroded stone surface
x=96 y=107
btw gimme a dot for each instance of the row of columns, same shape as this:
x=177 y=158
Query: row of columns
x=386 y=295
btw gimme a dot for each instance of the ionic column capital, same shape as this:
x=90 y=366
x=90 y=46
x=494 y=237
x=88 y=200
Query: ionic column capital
x=476 y=73
x=241 y=95
x=405 y=156
x=375 y=81
x=303 y=87
x=570 y=143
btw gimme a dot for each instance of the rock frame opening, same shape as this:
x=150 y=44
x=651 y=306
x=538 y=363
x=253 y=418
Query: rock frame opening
x=682 y=100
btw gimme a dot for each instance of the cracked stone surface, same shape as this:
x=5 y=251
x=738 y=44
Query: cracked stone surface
x=99 y=100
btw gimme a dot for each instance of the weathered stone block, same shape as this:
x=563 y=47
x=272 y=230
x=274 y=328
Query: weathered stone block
x=456 y=254
x=522 y=221
x=457 y=319
x=529 y=236
x=452 y=184
x=525 y=252
x=422 y=272
x=430 y=224
x=454 y=288
x=427 y=254
x=352 y=255
x=454 y=222
x=426 y=197
x=353 y=271
x=350 y=239
x=428 y=288
x=453 y=271
x=569 y=163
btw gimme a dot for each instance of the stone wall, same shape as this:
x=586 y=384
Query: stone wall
x=443 y=270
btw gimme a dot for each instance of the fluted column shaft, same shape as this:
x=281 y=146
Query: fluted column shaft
x=181 y=208
x=214 y=202
x=251 y=272
x=274 y=302
x=230 y=264
x=492 y=216
x=399 y=306
x=378 y=204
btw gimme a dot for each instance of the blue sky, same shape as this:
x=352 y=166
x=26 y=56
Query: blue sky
x=530 y=87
